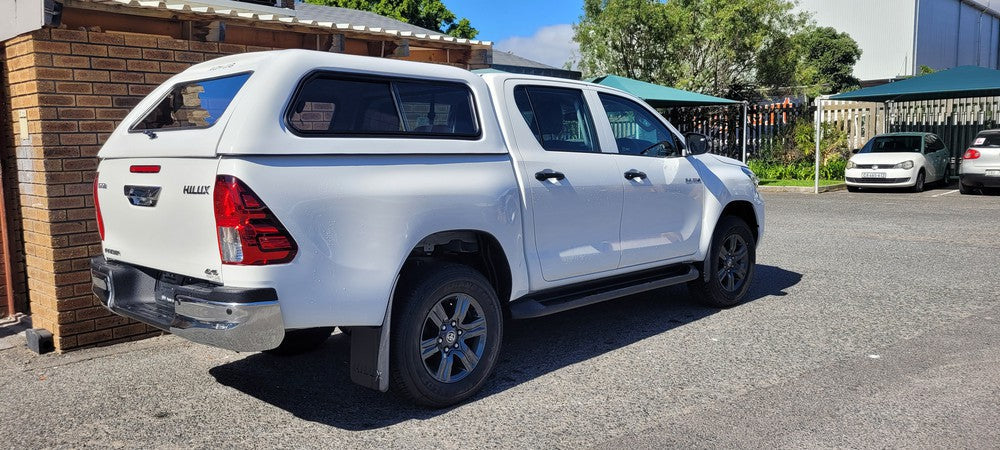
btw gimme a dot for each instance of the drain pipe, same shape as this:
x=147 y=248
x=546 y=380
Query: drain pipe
x=8 y=260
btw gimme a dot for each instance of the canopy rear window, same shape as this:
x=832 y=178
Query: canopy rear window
x=194 y=104
x=344 y=105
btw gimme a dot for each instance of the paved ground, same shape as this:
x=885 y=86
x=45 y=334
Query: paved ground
x=874 y=322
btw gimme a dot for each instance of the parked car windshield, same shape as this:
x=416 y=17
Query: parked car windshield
x=196 y=104
x=892 y=144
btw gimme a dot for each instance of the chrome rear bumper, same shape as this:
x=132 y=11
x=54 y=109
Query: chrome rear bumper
x=240 y=319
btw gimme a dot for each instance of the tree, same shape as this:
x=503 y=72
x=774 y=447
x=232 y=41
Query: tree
x=430 y=14
x=825 y=60
x=720 y=47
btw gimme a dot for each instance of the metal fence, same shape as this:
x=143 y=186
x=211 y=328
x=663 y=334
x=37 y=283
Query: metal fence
x=769 y=126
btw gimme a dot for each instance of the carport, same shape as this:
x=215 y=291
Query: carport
x=962 y=82
x=667 y=97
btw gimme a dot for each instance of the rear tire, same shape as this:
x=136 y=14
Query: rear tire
x=447 y=326
x=965 y=190
x=301 y=341
x=918 y=186
x=730 y=265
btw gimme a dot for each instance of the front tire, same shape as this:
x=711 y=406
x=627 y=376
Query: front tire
x=446 y=333
x=918 y=186
x=853 y=189
x=730 y=265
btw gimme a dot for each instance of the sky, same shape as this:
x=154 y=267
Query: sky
x=539 y=30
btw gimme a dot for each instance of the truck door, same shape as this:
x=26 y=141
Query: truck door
x=574 y=191
x=661 y=217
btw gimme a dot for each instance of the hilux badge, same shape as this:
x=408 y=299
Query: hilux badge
x=197 y=190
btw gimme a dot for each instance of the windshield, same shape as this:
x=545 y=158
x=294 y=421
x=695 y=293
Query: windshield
x=892 y=144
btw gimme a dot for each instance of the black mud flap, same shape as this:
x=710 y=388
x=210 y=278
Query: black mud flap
x=364 y=356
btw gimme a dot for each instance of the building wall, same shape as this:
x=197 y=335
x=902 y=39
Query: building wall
x=952 y=33
x=75 y=87
x=884 y=29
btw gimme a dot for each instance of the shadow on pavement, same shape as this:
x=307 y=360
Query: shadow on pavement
x=316 y=386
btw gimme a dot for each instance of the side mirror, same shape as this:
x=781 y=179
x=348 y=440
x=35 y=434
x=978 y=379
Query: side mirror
x=696 y=143
x=855 y=151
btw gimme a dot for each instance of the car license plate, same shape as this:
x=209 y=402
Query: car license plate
x=993 y=173
x=873 y=175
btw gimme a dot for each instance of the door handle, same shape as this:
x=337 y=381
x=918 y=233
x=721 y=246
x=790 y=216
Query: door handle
x=633 y=174
x=547 y=174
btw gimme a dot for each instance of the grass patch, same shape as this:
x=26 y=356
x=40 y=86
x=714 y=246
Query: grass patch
x=806 y=183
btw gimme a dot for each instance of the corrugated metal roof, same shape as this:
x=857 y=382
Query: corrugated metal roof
x=510 y=59
x=356 y=21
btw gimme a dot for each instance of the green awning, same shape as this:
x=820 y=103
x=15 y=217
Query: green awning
x=960 y=82
x=660 y=96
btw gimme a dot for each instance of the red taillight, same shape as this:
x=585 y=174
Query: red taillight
x=249 y=234
x=971 y=154
x=144 y=169
x=97 y=208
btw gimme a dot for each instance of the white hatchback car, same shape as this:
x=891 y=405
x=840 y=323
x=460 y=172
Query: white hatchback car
x=981 y=163
x=896 y=160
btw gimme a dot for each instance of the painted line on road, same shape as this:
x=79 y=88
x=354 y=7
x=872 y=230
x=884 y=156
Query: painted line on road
x=945 y=193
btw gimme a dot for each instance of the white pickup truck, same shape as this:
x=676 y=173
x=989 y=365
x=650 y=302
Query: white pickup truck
x=256 y=202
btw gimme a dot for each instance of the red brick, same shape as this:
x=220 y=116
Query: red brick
x=59 y=126
x=157 y=78
x=191 y=57
x=115 y=114
x=69 y=35
x=108 y=63
x=110 y=321
x=124 y=52
x=51 y=47
x=110 y=89
x=77 y=113
x=52 y=73
x=56 y=100
x=204 y=46
x=232 y=48
x=143 y=66
x=173 y=44
x=93 y=100
x=77 y=139
x=91 y=75
x=73 y=88
x=125 y=102
x=140 y=40
x=97 y=126
x=71 y=61
x=173 y=67
x=95 y=336
x=140 y=89
x=127 y=77
x=76 y=328
x=157 y=54
x=107 y=38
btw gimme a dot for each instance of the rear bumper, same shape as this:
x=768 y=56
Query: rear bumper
x=978 y=180
x=240 y=319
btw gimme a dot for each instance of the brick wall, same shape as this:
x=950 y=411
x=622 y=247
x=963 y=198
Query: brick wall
x=75 y=87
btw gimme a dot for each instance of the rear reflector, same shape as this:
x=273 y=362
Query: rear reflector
x=971 y=154
x=249 y=234
x=97 y=208
x=144 y=169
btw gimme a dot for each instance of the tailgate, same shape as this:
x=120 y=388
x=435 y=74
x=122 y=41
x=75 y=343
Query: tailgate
x=163 y=220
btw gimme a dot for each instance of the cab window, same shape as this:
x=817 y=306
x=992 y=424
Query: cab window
x=558 y=117
x=636 y=130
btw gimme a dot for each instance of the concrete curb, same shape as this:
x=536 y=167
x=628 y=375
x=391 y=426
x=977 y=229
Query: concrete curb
x=802 y=189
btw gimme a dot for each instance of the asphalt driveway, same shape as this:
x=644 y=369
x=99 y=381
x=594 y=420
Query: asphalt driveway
x=874 y=321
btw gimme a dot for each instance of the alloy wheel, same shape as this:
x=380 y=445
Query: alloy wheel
x=733 y=263
x=453 y=337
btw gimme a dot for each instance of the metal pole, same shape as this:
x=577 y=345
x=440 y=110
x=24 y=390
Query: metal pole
x=819 y=135
x=745 y=103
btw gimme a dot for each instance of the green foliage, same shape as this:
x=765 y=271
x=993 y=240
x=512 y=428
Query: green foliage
x=825 y=60
x=430 y=14
x=833 y=144
x=803 y=170
x=712 y=46
x=926 y=70
x=730 y=48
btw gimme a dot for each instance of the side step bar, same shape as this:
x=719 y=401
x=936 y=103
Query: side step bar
x=561 y=299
